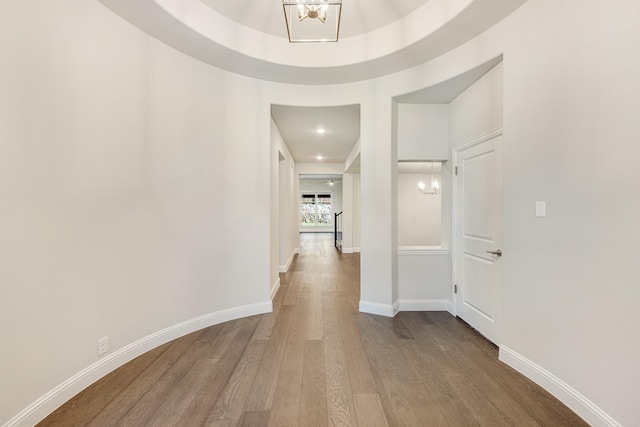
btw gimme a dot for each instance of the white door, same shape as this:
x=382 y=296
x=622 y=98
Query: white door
x=479 y=235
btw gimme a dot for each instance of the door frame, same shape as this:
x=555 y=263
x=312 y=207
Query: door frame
x=455 y=255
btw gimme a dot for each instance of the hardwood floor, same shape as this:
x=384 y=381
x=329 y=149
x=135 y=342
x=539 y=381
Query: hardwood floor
x=317 y=361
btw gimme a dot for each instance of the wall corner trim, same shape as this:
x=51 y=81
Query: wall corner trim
x=49 y=402
x=561 y=390
x=274 y=289
x=285 y=268
x=388 y=310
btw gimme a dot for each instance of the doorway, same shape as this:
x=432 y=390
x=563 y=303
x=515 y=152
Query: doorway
x=478 y=234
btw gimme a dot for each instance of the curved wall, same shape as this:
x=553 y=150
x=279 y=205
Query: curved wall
x=132 y=178
x=126 y=202
x=201 y=32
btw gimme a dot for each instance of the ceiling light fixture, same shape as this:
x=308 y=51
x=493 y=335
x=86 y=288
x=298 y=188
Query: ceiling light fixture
x=322 y=25
x=319 y=157
x=320 y=131
x=435 y=185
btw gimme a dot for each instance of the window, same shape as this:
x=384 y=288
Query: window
x=315 y=210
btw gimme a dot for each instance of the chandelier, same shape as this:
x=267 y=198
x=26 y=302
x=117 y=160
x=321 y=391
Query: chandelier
x=435 y=185
x=311 y=21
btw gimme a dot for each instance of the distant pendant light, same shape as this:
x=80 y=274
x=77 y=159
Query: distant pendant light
x=312 y=21
x=435 y=185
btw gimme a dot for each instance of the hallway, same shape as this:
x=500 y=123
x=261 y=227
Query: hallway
x=317 y=361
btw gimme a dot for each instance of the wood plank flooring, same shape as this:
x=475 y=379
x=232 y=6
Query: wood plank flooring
x=317 y=361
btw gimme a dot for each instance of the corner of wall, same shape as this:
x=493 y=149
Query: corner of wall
x=274 y=288
x=387 y=310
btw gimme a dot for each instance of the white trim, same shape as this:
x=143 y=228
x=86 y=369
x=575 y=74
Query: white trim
x=347 y=250
x=274 y=289
x=479 y=140
x=561 y=390
x=356 y=249
x=49 y=402
x=296 y=250
x=285 y=268
x=424 y=305
x=422 y=250
x=388 y=310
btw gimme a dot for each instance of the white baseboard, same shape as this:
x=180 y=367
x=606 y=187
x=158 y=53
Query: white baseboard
x=356 y=249
x=425 y=305
x=48 y=403
x=347 y=250
x=387 y=310
x=285 y=268
x=561 y=390
x=274 y=289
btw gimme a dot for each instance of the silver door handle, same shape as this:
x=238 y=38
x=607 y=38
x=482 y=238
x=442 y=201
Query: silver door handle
x=498 y=252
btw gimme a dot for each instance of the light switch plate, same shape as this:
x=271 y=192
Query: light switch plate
x=541 y=209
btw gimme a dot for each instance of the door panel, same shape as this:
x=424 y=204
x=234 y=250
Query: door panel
x=478 y=181
x=479 y=230
x=478 y=275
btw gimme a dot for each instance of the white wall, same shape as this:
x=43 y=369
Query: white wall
x=423 y=132
x=352 y=162
x=424 y=279
x=284 y=229
x=124 y=196
x=474 y=113
x=571 y=90
x=419 y=215
x=478 y=110
x=423 y=272
x=347 y=213
x=570 y=300
x=123 y=206
x=319 y=168
x=356 y=212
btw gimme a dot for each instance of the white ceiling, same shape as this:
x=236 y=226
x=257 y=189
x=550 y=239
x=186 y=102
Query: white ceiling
x=358 y=16
x=377 y=37
x=298 y=125
x=448 y=90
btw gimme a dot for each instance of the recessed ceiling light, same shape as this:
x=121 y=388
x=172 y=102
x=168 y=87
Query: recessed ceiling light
x=319 y=157
x=320 y=131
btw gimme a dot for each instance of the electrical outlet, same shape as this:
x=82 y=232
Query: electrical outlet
x=103 y=345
